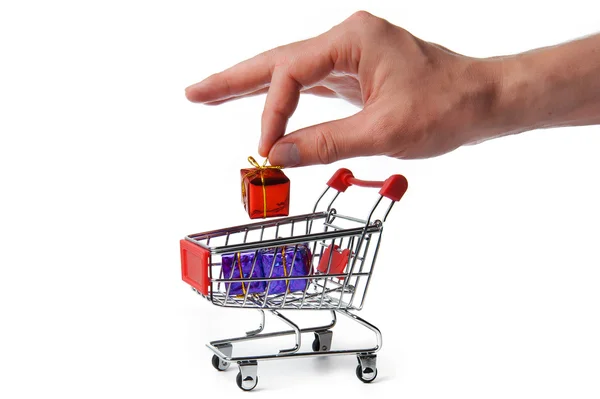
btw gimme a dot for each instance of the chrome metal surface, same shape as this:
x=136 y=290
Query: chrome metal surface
x=261 y=326
x=227 y=350
x=296 y=333
x=214 y=346
x=323 y=341
x=327 y=288
x=249 y=374
x=368 y=366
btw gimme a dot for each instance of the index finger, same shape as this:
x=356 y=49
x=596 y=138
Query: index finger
x=243 y=78
x=256 y=73
x=246 y=77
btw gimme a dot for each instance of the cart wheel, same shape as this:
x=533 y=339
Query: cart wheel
x=366 y=371
x=316 y=345
x=219 y=364
x=322 y=341
x=372 y=374
x=247 y=385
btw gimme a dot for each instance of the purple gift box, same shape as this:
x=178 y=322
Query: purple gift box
x=295 y=263
x=233 y=264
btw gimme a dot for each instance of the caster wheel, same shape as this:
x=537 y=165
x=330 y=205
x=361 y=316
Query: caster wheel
x=322 y=342
x=368 y=376
x=247 y=385
x=316 y=345
x=219 y=364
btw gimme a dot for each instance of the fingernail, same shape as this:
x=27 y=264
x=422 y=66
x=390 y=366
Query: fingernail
x=191 y=91
x=285 y=154
x=195 y=85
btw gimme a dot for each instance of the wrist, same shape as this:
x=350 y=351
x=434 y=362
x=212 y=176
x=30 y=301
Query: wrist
x=520 y=95
x=503 y=92
x=549 y=87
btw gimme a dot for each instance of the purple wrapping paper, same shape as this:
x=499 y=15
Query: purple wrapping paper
x=300 y=268
x=230 y=261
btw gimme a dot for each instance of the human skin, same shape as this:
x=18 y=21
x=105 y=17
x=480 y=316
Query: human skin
x=418 y=99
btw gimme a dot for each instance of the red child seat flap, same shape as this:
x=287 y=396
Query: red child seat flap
x=339 y=260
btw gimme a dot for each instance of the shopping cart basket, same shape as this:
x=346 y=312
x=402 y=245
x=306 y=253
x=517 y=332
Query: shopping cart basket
x=339 y=253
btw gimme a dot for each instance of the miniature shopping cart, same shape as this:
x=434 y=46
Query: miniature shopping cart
x=340 y=253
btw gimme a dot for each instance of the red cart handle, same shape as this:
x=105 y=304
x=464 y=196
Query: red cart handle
x=393 y=187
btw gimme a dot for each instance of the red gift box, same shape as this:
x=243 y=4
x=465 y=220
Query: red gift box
x=265 y=191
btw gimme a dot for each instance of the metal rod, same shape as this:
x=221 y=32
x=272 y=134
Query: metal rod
x=296 y=348
x=278 y=242
x=297 y=331
x=388 y=211
x=251 y=274
x=360 y=242
x=328 y=270
x=271 y=275
x=333 y=226
x=230 y=278
x=313 y=277
x=361 y=221
x=332 y=201
x=319 y=199
x=255 y=226
x=279 y=333
x=261 y=327
x=287 y=281
x=370 y=274
x=362 y=264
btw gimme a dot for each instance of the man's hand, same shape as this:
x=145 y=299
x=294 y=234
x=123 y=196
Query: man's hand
x=418 y=99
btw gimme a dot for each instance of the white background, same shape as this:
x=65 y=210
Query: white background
x=487 y=285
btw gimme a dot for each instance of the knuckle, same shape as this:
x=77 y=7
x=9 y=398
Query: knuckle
x=273 y=107
x=282 y=61
x=226 y=83
x=326 y=149
x=275 y=58
x=361 y=15
x=368 y=22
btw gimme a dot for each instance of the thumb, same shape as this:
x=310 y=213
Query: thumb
x=327 y=142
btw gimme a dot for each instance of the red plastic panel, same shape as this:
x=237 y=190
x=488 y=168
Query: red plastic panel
x=338 y=261
x=194 y=266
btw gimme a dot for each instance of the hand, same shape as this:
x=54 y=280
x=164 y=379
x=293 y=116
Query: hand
x=418 y=99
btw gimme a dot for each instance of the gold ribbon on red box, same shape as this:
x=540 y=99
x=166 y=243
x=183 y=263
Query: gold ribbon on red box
x=259 y=170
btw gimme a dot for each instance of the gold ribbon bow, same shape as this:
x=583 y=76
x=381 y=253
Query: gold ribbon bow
x=285 y=273
x=259 y=169
x=239 y=257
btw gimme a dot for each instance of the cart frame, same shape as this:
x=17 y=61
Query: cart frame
x=339 y=293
